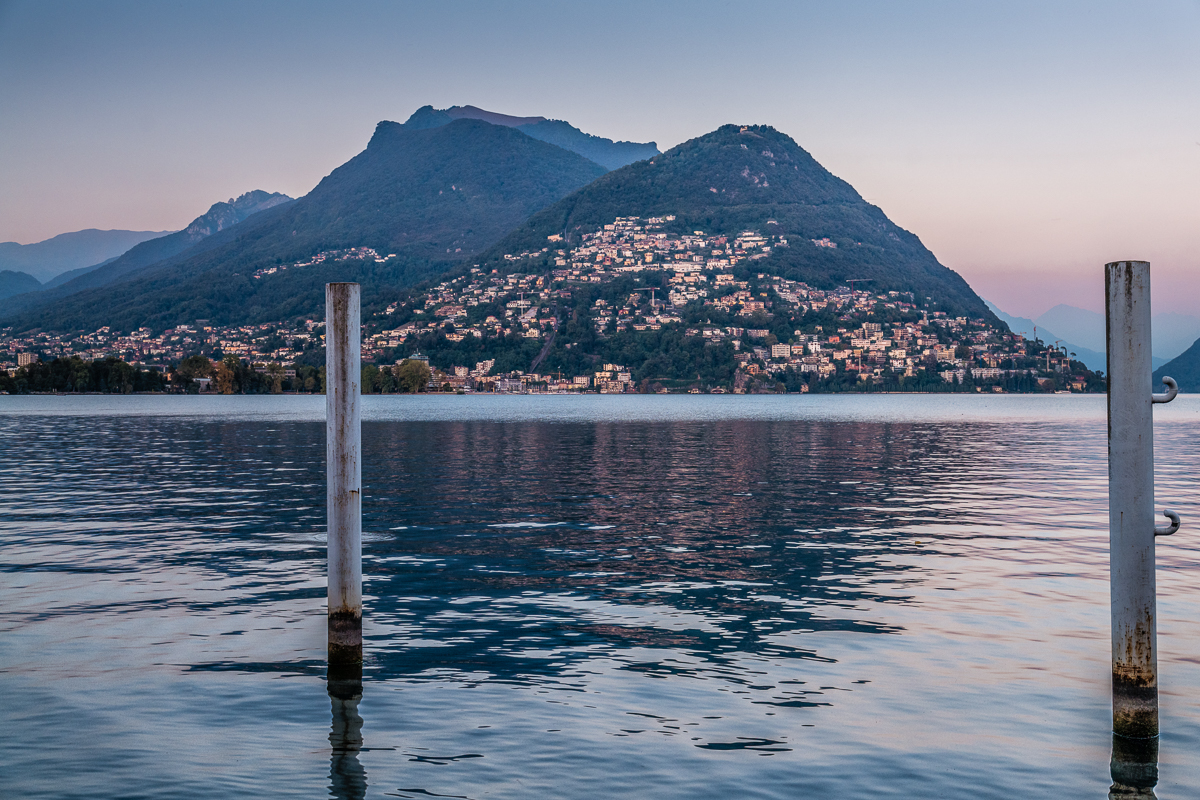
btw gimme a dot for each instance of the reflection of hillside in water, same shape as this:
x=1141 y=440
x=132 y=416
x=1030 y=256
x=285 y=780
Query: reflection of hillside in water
x=531 y=546
x=683 y=601
x=524 y=549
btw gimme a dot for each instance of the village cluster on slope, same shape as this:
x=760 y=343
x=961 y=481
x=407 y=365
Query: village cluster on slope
x=632 y=278
x=866 y=336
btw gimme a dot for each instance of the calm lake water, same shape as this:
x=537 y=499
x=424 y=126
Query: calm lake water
x=581 y=597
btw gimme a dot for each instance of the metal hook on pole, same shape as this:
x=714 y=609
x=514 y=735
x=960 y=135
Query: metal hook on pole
x=1171 y=515
x=1131 y=525
x=1172 y=391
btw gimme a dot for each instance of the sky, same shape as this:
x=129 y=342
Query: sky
x=1026 y=143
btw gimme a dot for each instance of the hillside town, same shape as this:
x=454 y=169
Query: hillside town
x=631 y=278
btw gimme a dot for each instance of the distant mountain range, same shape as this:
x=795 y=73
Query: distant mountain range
x=605 y=152
x=431 y=196
x=1083 y=332
x=451 y=186
x=1172 y=333
x=219 y=217
x=1094 y=359
x=47 y=259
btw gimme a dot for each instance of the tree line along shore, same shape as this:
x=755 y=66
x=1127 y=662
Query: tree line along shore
x=232 y=375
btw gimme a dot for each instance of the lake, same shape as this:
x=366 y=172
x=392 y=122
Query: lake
x=888 y=596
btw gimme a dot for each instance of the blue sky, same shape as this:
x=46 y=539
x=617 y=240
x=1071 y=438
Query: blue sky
x=1025 y=143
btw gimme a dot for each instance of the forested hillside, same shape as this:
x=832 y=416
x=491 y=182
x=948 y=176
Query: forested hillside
x=430 y=197
x=756 y=178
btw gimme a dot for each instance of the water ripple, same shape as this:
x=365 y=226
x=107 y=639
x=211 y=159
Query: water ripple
x=579 y=597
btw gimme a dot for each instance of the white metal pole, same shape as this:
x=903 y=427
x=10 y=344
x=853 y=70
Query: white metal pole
x=1131 y=500
x=343 y=448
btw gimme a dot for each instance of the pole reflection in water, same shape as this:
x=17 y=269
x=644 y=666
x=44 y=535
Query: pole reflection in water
x=347 y=778
x=1134 y=767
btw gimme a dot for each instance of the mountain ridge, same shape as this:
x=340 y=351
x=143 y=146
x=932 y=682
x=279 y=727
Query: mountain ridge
x=1184 y=368
x=430 y=196
x=1094 y=359
x=755 y=177
x=421 y=201
x=220 y=216
x=606 y=152
x=15 y=283
x=51 y=257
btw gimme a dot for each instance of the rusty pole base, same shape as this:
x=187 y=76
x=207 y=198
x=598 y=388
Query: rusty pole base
x=1134 y=767
x=345 y=639
x=1135 y=706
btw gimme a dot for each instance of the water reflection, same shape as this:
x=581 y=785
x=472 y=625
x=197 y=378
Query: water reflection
x=347 y=778
x=524 y=549
x=704 y=609
x=1134 y=768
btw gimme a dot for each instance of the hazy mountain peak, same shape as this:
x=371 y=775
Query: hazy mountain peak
x=429 y=195
x=227 y=214
x=68 y=251
x=474 y=112
x=1094 y=359
x=1172 y=333
x=605 y=152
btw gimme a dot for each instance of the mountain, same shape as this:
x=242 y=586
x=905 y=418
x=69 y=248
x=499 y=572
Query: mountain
x=1094 y=359
x=430 y=196
x=1171 y=333
x=430 y=117
x=1086 y=328
x=72 y=274
x=606 y=152
x=46 y=259
x=17 y=283
x=443 y=192
x=1184 y=368
x=219 y=217
x=756 y=178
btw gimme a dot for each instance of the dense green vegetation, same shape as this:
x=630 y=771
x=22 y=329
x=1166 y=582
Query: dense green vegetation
x=407 y=377
x=232 y=375
x=110 y=376
x=229 y=375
